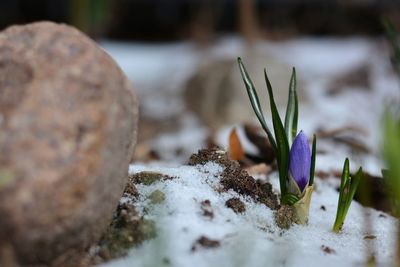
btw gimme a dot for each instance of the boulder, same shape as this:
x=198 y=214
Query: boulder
x=68 y=126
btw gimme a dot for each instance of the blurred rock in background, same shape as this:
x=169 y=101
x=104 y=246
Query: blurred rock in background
x=216 y=92
x=159 y=20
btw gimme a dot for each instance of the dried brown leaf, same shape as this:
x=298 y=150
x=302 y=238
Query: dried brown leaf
x=236 y=151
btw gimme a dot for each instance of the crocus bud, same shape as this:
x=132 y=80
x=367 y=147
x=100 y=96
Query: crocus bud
x=300 y=161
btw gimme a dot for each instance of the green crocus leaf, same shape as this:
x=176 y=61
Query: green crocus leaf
x=313 y=155
x=289 y=199
x=345 y=174
x=281 y=139
x=344 y=182
x=255 y=103
x=355 y=181
x=348 y=188
x=292 y=110
x=345 y=199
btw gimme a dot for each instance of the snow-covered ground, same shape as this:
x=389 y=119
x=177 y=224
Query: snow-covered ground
x=159 y=72
x=251 y=238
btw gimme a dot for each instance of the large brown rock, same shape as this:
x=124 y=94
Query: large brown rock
x=68 y=125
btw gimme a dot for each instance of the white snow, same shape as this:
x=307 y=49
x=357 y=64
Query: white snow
x=252 y=238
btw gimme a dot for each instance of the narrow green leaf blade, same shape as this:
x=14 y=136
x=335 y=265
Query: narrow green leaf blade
x=345 y=197
x=355 y=181
x=313 y=155
x=342 y=195
x=255 y=103
x=345 y=174
x=281 y=139
x=289 y=199
x=292 y=110
x=347 y=200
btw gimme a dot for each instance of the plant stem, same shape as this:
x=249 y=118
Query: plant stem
x=338 y=224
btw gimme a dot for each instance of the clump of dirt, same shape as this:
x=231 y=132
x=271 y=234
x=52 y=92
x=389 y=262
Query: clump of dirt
x=235 y=178
x=207 y=209
x=148 y=178
x=238 y=180
x=211 y=154
x=128 y=229
x=236 y=205
x=327 y=250
x=205 y=242
x=285 y=216
x=369 y=237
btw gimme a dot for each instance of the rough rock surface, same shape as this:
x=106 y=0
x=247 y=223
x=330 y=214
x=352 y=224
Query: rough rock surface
x=68 y=126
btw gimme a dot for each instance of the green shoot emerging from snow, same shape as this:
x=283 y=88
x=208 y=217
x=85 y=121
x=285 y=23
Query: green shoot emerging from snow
x=348 y=187
x=296 y=163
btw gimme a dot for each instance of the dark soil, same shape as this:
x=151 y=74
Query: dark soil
x=369 y=237
x=207 y=209
x=328 y=250
x=205 y=242
x=211 y=154
x=237 y=179
x=236 y=205
x=130 y=189
x=285 y=216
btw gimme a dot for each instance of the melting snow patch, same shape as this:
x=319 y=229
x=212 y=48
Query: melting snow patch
x=250 y=238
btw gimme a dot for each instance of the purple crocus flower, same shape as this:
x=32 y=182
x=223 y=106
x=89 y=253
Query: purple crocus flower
x=300 y=160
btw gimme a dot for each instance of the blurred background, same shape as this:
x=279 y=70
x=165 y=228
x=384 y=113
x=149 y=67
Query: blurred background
x=165 y=20
x=181 y=58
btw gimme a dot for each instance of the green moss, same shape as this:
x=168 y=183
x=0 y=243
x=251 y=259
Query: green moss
x=127 y=230
x=157 y=197
x=148 y=178
x=147 y=229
